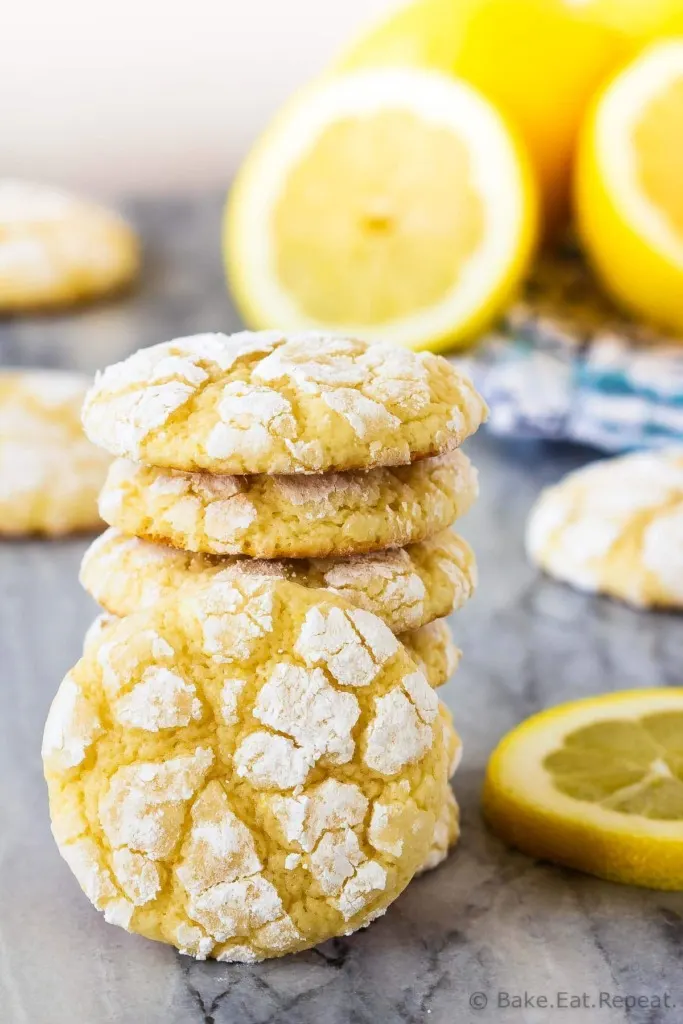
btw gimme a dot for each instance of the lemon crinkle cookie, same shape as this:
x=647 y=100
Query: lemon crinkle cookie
x=56 y=250
x=616 y=527
x=406 y=587
x=245 y=770
x=50 y=473
x=265 y=402
x=289 y=516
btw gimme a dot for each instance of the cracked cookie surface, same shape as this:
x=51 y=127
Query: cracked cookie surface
x=615 y=527
x=57 y=250
x=246 y=770
x=431 y=647
x=289 y=516
x=50 y=473
x=265 y=402
x=405 y=587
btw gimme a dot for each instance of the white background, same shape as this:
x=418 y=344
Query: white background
x=152 y=96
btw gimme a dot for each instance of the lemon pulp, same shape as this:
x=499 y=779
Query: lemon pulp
x=399 y=209
x=635 y=767
x=659 y=160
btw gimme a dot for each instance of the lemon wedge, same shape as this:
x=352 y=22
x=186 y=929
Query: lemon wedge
x=391 y=204
x=596 y=785
x=629 y=197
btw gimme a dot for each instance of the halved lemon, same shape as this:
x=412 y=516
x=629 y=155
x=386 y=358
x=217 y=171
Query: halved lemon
x=391 y=204
x=596 y=785
x=640 y=21
x=629 y=186
x=538 y=61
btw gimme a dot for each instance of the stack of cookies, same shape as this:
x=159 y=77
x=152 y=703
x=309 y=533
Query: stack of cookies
x=280 y=512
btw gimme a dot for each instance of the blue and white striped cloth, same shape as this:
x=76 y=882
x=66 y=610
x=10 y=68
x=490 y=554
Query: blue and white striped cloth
x=565 y=366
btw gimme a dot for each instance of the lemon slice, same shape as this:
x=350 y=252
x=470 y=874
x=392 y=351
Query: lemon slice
x=391 y=204
x=628 y=188
x=596 y=785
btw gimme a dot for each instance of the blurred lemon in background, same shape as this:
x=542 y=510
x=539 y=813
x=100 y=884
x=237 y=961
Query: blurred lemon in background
x=393 y=204
x=638 y=21
x=629 y=187
x=539 y=61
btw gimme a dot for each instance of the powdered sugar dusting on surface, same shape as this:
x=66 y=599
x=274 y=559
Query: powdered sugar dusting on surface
x=397 y=735
x=321 y=822
x=366 y=418
x=301 y=703
x=138 y=876
x=49 y=472
x=230 y=695
x=250 y=415
x=233 y=618
x=387 y=828
x=144 y=805
x=219 y=847
x=72 y=726
x=271 y=762
x=332 y=638
x=359 y=890
x=422 y=695
x=576 y=525
x=329 y=805
x=401 y=589
x=161 y=700
x=375 y=389
x=663 y=551
x=85 y=860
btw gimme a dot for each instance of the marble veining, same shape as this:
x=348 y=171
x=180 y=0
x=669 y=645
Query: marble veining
x=488 y=926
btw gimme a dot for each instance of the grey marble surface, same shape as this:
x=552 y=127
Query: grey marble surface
x=487 y=926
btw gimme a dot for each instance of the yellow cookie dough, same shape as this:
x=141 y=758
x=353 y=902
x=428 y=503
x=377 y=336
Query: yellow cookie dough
x=447 y=827
x=50 y=474
x=406 y=587
x=446 y=833
x=616 y=527
x=289 y=516
x=265 y=402
x=57 y=250
x=248 y=769
x=432 y=648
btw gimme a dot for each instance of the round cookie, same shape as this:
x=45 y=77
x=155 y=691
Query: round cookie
x=227 y=771
x=57 y=250
x=615 y=527
x=265 y=402
x=406 y=587
x=289 y=516
x=50 y=474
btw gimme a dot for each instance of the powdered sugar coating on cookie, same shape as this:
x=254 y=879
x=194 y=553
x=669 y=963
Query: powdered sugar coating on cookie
x=265 y=402
x=616 y=527
x=56 y=249
x=50 y=473
x=289 y=516
x=406 y=587
x=232 y=771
